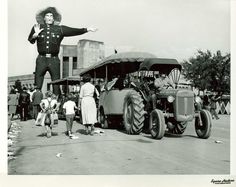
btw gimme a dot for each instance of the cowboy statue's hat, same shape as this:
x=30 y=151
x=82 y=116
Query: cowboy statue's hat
x=56 y=15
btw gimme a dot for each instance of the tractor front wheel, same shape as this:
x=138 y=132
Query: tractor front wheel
x=203 y=124
x=157 y=124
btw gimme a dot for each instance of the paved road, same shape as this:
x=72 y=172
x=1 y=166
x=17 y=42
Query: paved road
x=115 y=152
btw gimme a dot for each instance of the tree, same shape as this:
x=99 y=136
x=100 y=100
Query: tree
x=209 y=71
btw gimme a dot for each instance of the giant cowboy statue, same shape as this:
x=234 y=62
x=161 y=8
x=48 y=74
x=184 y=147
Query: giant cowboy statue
x=49 y=34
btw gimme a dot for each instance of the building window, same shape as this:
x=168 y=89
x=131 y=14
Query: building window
x=75 y=63
x=65 y=59
x=65 y=72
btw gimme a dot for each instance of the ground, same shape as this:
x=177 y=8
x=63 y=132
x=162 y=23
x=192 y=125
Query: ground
x=115 y=152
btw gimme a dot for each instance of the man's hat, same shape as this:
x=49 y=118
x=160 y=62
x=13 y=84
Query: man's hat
x=41 y=14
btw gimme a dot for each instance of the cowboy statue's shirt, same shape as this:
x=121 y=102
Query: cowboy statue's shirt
x=49 y=40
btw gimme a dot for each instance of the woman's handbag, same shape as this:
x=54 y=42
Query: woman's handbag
x=40 y=119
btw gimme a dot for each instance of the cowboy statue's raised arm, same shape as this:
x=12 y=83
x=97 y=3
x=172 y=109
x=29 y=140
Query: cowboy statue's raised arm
x=68 y=31
x=35 y=31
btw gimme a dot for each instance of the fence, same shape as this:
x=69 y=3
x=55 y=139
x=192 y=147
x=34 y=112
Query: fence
x=223 y=106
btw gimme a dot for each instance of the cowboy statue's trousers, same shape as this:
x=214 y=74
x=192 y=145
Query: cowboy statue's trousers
x=52 y=65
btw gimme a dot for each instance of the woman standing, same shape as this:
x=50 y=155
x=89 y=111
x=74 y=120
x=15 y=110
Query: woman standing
x=214 y=99
x=12 y=103
x=87 y=104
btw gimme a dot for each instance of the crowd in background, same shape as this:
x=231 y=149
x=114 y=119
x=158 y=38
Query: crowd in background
x=33 y=104
x=209 y=103
x=26 y=104
x=81 y=100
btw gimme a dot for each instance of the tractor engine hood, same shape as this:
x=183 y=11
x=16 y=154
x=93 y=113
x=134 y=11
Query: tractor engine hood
x=173 y=92
x=167 y=92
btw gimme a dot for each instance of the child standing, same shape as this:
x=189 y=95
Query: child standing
x=48 y=106
x=69 y=110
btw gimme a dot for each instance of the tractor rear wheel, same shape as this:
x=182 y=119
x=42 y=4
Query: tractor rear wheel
x=133 y=114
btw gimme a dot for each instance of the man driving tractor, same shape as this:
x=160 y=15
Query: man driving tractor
x=160 y=81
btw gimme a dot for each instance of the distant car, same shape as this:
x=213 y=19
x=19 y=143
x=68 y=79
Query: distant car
x=126 y=97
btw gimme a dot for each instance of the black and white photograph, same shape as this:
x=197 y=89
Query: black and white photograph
x=118 y=93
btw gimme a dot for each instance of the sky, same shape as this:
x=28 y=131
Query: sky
x=166 y=28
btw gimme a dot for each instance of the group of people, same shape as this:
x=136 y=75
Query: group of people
x=46 y=108
x=20 y=103
x=209 y=103
x=86 y=106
